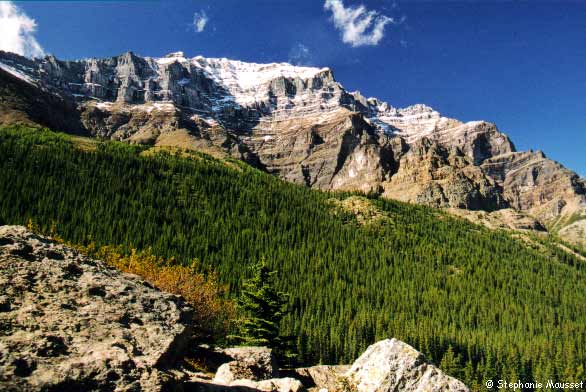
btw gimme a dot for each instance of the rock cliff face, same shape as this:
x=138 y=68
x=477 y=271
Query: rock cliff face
x=537 y=185
x=70 y=323
x=296 y=122
x=432 y=174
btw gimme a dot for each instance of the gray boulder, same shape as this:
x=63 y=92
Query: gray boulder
x=392 y=365
x=253 y=368
x=286 y=384
x=321 y=377
x=234 y=370
x=253 y=363
x=72 y=323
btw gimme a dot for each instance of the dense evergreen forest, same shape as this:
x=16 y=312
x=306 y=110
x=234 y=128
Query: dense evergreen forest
x=481 y=303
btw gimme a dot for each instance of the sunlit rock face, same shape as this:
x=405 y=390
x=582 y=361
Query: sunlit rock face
x=72 y=323
x=296 y=122
x=392 y=365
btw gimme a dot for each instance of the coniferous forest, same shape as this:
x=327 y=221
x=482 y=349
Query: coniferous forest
x=482 y=304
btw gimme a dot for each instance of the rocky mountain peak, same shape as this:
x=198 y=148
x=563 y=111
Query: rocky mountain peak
x=417 y=110
x=175 y=55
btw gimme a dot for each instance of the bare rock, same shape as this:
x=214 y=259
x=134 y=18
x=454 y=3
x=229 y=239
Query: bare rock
x=254 y=363
x=575 y=232
x=507 y=218
x=322 y=377
x=537 y=185
x=72 y=323
x=437 y=176
x=273 y=385
x=234 y=370
x=391 y=365
x=333 y=150
x=254 y=368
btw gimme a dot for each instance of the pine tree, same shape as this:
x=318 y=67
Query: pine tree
x=451 y=363
x=262 y=307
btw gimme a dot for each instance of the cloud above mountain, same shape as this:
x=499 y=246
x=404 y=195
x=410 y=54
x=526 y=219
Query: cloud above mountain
x=200 y=20
x=358 y=25
x=300 y=55
x=17 y=31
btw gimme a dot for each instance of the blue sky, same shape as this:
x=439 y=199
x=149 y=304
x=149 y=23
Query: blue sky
x=521 y=65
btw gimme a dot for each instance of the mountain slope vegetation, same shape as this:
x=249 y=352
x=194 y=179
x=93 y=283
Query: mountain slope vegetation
x=481 y=302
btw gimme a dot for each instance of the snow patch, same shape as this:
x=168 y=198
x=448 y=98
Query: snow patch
x=248 y=83
x=164 y=107
x=104 y=105
x=16 y=73
x=208 y=120
x=170 y=60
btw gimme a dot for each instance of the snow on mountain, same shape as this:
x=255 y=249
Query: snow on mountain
x=224 y=90
x=15 y=72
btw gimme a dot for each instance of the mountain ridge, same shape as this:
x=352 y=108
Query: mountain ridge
x=301 y=124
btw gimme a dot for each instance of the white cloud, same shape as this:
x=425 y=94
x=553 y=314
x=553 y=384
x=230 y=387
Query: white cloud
x=358 y=25
x=300 y=55
x=200 y=19
x=17 y=31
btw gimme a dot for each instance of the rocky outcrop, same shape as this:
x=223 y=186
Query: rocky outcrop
x=391 y=365
x=338 y=150
x=575 y=232
x=72 y=323
x=253 y=363
x=296 y=122
x=248 y=369
x=387 y=366
x=273 y=385
x=507 y=218
x=322 y=378
x=432 y=174
x=537 y=185
x=24 y=102
x=477 y=139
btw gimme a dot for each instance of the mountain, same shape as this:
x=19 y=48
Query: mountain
x=301 y=124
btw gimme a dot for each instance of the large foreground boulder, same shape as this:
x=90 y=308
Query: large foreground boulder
x=392 y=365
x=68 y=322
